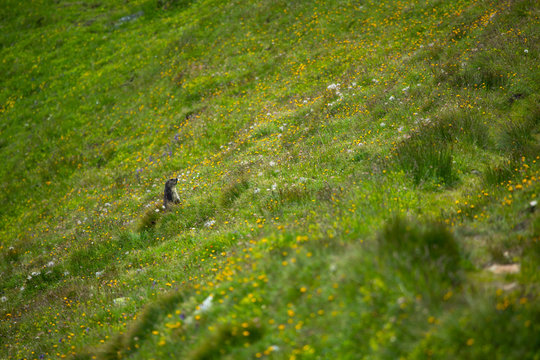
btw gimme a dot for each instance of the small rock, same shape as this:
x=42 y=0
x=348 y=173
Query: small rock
x=509 y=287
x=129 y=18
x=504 y=269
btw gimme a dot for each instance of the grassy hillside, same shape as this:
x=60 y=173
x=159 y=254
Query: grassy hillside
x=358 y=179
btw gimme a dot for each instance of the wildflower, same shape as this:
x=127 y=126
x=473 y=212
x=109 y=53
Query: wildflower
x=391 y=98
x=209 y=223
x=3 y=299
x=526 y=51
x=406 y=89
x=120 y=301
x=333 y=87
x=256 y=190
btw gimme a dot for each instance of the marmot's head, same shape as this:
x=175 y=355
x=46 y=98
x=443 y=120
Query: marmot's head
x=172 y=182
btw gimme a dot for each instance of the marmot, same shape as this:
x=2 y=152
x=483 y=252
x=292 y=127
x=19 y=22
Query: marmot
x=170 y=195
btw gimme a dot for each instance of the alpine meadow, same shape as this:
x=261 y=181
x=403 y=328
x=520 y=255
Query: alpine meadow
x=358 y=179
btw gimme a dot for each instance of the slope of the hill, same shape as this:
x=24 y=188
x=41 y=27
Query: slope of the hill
x=358 y=179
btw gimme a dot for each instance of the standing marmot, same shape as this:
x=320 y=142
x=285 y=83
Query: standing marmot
x=170 y=195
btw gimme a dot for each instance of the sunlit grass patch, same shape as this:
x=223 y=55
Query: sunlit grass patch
x=296 y=128
x=97 y=257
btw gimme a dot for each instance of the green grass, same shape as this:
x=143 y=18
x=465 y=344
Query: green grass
x=348 y=172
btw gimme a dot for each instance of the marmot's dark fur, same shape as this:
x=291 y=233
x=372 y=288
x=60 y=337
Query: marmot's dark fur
x=170 y=195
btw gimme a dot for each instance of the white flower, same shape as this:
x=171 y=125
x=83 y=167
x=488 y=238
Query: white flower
x=383 y=124
x=120 y=301
x=209 y=223
x=333 y=87
x=400 y=129
x=157 y=210
x=526 y=51
x=274 y=187
x=50 y=264
x=256 y=190
x=99 y=273
x=3 y=299
x=272 y=163
x=391 y=98
x=405 y=88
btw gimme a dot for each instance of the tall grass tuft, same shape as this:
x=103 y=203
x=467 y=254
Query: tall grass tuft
x=233 y=190
x=425 y=160
x=498 y=174
x=518 y=136
x=426 y=257
x=150 y=218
